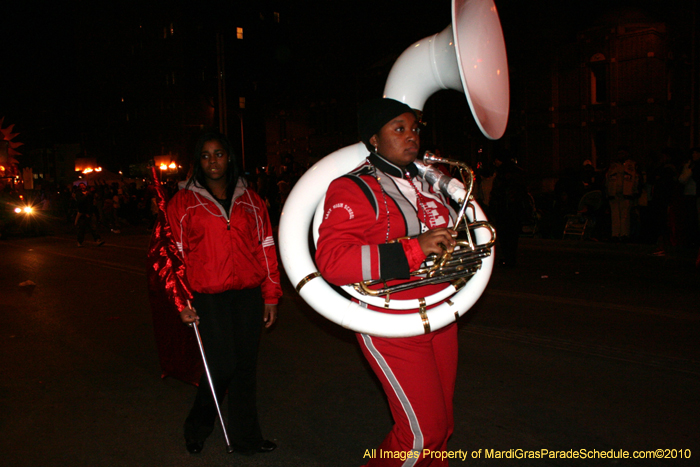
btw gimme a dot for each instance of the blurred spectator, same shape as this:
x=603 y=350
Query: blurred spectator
x=119 y=201
x=589 y=177
x=485 y=176
x=261 y=183
x=663 y=180
x=622 y=189
x=284 y=186
x=510 y=206
x=86 y=219
x=568 y=191
x=690 y=172
x=110 y=216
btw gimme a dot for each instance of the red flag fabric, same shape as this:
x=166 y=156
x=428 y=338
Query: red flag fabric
x=168 y=293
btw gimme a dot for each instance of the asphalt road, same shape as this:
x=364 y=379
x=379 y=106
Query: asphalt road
x=583 y=347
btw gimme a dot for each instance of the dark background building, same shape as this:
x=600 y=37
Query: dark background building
x=127 y=82
x=626 y=80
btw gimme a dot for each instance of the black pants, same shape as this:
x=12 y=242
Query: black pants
x=84 y=225
x=230 y=325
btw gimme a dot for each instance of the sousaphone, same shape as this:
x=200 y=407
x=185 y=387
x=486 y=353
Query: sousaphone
x=468 y=56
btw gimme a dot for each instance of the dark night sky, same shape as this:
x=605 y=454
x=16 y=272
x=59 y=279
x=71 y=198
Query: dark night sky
x=37 y=78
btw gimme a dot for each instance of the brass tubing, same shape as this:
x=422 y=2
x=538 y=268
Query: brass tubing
x=457 y=266
x=364 y=289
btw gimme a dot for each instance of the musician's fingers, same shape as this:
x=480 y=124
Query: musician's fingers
x=436 y=241
x=445 y=240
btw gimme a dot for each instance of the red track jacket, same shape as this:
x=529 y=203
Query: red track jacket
x=220 y=255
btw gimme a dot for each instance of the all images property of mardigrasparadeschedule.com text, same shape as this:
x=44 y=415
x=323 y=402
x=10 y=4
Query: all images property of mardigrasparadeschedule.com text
x=463 y=455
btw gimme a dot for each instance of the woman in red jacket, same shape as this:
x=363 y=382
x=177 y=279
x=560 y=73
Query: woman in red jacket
x=223 y=232
x=382 y=200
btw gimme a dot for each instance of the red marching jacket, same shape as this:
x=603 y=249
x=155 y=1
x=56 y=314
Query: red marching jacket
x=224 y=251
x=366 y=208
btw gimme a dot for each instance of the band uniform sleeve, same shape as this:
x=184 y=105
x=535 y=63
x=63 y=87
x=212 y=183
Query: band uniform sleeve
x=348 y=246
x=267 y=256
x=414 y=253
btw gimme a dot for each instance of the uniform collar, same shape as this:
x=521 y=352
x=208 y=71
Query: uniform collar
x=390 y=168
x=241 y=186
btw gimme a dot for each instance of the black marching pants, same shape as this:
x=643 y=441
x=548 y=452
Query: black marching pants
x=229 y=324
x=85 y=225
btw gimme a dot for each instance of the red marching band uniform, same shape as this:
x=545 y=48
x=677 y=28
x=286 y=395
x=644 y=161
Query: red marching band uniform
x=376 y=203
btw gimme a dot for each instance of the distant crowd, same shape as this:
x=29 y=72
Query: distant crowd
x=114 y=205
x=651 y=200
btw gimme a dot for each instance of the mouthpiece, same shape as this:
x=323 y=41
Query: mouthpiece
x=429 y=158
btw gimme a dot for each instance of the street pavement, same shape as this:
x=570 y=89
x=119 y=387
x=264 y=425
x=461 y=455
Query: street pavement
x=582 y=348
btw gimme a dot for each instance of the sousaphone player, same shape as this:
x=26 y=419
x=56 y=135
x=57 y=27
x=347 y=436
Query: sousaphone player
x=385 y=199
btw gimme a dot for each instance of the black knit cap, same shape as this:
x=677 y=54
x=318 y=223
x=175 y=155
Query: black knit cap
x=376 y=113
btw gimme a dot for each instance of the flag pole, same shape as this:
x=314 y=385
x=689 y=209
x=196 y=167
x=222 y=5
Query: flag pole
x=229 y=449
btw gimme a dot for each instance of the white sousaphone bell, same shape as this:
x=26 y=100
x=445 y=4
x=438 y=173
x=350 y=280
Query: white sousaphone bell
x=468 y=56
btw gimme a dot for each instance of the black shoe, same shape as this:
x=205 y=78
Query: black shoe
x=266 y=446
x=193 y=446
